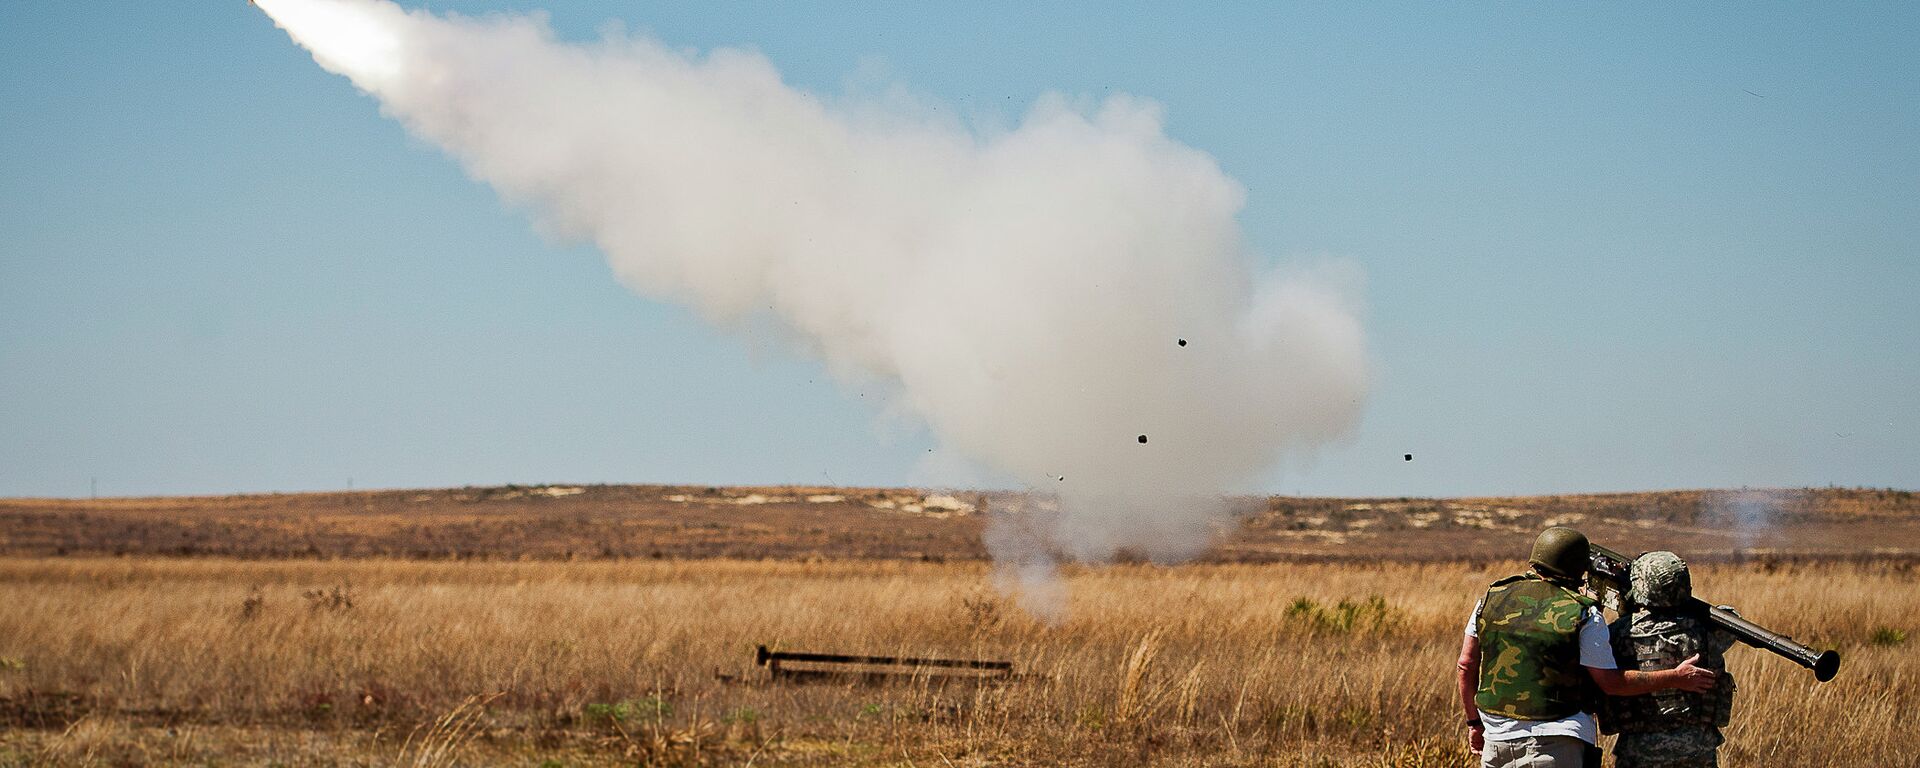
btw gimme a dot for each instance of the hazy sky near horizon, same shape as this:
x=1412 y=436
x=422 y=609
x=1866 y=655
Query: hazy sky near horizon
x=1606 y=247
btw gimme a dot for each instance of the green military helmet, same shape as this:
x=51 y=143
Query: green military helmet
x=1660 y=580
x=1562 y=552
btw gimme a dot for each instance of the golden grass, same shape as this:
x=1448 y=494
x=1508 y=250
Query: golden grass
x=156 y=661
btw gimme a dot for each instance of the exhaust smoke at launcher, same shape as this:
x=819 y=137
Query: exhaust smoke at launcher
x=1019 y=290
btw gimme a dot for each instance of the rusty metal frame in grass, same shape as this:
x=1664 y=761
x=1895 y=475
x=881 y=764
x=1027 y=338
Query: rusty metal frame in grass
x=804 y=667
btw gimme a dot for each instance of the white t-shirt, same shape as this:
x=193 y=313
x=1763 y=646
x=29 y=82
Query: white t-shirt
x=1595 y=651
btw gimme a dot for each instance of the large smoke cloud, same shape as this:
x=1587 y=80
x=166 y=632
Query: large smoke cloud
x=1022 y=290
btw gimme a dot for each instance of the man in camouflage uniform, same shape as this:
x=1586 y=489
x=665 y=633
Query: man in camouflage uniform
x=1535 y=658
x=1670 y=729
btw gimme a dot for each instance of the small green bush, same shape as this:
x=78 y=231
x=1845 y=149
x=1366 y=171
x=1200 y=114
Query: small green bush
x=1373 y=615
x=649 y=708
x=1887 y=636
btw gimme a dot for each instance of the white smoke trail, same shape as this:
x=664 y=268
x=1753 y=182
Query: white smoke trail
x=1752 y=512
x=1022 y=291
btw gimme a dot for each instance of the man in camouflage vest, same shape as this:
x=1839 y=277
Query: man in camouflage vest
x=1537 y=656
x=1670 y=729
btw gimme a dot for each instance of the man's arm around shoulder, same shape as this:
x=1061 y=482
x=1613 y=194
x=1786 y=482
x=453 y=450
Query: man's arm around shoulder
x=1634 y=682
x=1596 y=654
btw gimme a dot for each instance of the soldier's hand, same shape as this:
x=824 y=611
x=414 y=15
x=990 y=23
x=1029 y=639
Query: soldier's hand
x=1477 y=739
x=1694 y=678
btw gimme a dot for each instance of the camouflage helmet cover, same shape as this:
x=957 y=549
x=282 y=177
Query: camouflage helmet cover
x=1660 y=580
x=1562 y=552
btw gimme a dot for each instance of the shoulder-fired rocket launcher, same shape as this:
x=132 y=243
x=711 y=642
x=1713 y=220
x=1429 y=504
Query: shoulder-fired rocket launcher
x=1609 y=579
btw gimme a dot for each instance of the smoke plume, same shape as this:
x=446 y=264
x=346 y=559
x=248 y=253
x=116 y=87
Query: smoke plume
x=1752 y=512
x=1067 y=301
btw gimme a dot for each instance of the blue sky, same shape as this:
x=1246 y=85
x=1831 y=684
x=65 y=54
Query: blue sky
x=1607 y=247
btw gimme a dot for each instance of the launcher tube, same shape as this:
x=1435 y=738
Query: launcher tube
x=1609 y=573
x=1824 y=664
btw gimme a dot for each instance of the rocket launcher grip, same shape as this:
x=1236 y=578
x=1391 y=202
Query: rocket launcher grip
x=1609 y=579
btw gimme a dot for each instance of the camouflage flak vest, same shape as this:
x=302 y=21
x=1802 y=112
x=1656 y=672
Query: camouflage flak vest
x=1656 y=638
x=1530 y=651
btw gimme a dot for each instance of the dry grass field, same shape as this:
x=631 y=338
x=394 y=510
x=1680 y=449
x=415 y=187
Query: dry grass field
x=616 y=625
x=141 y=661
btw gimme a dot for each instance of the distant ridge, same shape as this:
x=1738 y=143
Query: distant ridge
x=558 y=522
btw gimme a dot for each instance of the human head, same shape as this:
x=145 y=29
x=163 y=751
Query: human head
x=1659 y=580
x=1561 y=553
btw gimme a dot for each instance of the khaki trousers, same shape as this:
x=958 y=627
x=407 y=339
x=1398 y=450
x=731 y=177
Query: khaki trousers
x=1540 y=752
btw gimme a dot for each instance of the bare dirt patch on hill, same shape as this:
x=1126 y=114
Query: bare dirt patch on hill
x=797 y=523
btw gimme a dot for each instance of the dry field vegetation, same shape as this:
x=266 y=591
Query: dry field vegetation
x=141 y=661
x=552 y=626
